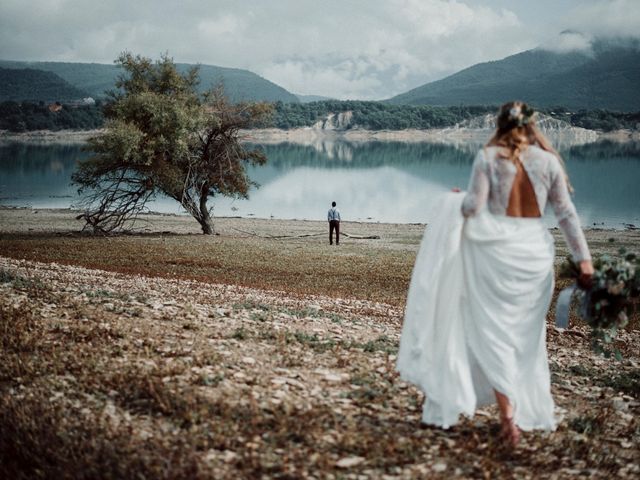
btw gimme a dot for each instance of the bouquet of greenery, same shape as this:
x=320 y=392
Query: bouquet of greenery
x=607 y=303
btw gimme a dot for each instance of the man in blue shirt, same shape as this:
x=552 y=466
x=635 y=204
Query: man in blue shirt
x=334 y=223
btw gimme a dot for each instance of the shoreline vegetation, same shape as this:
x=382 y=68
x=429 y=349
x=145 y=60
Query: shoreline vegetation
x=262 y=352
x=351 y=120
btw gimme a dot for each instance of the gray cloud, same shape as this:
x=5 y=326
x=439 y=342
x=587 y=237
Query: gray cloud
x=614 y=20
x=607 y=18
x=568 y=41
x=344 y=49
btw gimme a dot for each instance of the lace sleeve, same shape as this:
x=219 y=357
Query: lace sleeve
x=478 y=190
x=566 y=214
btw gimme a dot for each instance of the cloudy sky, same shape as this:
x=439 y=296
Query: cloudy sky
x=367 y=49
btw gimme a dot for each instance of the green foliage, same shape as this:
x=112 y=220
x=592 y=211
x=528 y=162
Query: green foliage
x=163 y=137
x=28 y=116
x=385 y=116
x=34 y=85
x=374 y=115
x=614 y=291
x=604 y=120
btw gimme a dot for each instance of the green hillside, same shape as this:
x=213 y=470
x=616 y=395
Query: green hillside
x=240 y=84
x=608 y=78
x=96 y=78
x=312 y=98
x=31 y=84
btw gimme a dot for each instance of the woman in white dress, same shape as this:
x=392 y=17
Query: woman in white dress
x=474 y=329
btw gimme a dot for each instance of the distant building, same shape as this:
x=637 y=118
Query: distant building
x=55 y=107
x=83 y=102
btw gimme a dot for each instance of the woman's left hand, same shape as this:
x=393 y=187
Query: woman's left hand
x=585 y=280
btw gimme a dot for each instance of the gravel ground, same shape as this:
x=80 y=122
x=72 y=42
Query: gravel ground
x=105 y=374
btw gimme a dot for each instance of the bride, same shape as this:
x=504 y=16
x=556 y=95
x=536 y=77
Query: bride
x=474 y=328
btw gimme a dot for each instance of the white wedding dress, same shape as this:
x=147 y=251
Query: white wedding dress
x=479 y=294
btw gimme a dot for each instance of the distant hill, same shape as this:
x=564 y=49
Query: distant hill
x=96 y=78
x=93 y=78
x=312 y=98
x=606 y=77
x=32 y=84
x=241 y=84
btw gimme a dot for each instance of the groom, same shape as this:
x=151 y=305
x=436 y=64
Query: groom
x=333 y=216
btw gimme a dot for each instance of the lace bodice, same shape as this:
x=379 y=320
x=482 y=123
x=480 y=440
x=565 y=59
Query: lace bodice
x=492 y=178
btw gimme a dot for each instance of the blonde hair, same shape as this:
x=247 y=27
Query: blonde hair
x=516 y=130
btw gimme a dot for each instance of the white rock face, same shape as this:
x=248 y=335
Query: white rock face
x=560 y=132
x=335 y=121
x=545 y=123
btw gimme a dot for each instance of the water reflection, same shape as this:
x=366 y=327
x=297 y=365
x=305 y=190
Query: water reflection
x=375 y=181
x=39 y=175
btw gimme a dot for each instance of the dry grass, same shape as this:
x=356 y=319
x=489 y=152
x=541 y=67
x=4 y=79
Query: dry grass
x=303 y=266
x=111 y=375
x=376 y=270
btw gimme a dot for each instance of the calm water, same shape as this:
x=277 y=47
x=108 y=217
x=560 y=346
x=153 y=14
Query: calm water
x=375 y=181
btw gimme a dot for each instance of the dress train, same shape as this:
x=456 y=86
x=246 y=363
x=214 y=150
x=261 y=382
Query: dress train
x=475 y=316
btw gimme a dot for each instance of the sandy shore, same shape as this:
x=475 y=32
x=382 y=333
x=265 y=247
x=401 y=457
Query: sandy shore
x=391 y=235
x=50 y=136
x=38 y=221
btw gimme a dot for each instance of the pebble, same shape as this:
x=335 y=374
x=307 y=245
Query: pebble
x=229 y=456
x=349 y=462
x=619 y=404
x=439 y=467
x=332 y=377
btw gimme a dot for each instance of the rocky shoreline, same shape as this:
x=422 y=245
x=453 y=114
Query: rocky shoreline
x=310 y=135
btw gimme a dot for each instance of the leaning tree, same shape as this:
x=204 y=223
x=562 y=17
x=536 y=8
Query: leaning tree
x=162 y=137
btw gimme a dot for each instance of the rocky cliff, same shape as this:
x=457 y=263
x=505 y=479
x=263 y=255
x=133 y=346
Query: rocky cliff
x=548 y=125
x=335 y=121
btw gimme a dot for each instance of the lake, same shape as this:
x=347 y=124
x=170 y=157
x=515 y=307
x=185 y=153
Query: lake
x=370 y=181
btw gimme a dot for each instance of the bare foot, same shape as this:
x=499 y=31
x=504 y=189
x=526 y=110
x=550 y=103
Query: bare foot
x=510 y=432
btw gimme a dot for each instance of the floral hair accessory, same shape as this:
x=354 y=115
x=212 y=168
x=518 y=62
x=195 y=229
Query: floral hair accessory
x=521 y=114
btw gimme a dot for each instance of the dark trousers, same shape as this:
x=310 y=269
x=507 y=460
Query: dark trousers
x=334 y=225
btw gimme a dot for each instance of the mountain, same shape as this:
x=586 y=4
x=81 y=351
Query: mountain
x=32 y=84
x=312 y=98
x=606 y=76
x=96 y=78
x=241 y=84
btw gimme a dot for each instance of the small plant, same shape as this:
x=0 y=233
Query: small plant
x=99 y=293
x=250 y=305
x=607 y=303
x=19 y=281
x=381 y=344
x=586 y=425
x=6 y=276
x=258 y=316
x=626 y=382
x=240 y=334
x=316 y=343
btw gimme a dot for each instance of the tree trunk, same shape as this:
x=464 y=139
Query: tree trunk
x=205 y=220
